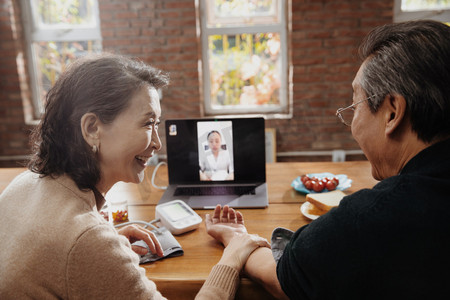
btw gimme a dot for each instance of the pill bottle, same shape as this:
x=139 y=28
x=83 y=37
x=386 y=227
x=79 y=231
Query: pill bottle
x=118 y=211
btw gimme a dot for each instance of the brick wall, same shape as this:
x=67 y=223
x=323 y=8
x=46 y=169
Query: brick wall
x=325 y=35
x=14 y=92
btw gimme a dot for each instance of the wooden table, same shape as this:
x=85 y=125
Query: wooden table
x=181 y=277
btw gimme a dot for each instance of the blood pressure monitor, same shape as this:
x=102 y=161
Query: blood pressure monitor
x=177 y=216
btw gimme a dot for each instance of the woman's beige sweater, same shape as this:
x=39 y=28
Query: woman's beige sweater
x=55 y=244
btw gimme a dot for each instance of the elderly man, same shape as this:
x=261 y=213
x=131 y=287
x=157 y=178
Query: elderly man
x=391 y=241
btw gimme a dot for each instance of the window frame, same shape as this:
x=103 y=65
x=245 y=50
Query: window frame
x=442 y=15
x=56 y=33
x=282 y=110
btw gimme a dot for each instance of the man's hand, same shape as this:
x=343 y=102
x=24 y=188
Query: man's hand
x=224 y=224
x=136 y=233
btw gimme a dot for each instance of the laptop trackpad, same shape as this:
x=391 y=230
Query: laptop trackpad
x=208 y=202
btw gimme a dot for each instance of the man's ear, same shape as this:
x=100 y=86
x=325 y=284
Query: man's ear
x=395 y=112
x=90 y=128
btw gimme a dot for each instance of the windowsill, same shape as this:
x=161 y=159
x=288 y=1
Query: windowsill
x=265 y=116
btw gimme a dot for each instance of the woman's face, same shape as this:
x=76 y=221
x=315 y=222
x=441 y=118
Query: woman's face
x=214 y=142
x=130 y=140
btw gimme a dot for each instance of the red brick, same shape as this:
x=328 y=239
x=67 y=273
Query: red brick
x=125 y=15
x=179 y=4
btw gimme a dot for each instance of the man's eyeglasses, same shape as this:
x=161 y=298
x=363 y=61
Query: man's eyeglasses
x=345 y=114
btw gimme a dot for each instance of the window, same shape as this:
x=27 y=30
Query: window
x=57 y=32
x=244 y=57
x=438 y=10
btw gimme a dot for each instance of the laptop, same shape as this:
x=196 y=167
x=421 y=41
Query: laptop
x=216 y=161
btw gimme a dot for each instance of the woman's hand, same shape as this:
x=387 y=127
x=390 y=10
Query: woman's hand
x=230 y=176
x=239 y=249
x=136 y=233
x=204 y=177
x=224 y=224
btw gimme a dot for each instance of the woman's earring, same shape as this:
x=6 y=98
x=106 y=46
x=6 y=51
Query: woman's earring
x=94 y=149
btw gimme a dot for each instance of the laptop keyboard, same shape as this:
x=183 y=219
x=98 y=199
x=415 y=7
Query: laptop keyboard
x=215 y=190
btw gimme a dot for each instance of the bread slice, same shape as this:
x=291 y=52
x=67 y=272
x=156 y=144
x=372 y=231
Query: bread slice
x=313 y=210
x=325 y=201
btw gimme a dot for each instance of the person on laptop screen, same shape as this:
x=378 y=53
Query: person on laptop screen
x=215 y=162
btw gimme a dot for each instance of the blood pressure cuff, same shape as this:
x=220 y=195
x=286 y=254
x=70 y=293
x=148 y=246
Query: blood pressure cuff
x=169 y=244
x=280 y=238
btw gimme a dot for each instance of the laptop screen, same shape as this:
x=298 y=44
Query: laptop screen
x=208 y=151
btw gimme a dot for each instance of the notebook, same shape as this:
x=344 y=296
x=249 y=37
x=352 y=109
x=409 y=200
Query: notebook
x=216 y=161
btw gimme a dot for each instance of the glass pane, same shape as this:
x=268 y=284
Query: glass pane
x=221 y=12
x=414 y=5
x=245 y=70
x=51 y=59
x=63 y=12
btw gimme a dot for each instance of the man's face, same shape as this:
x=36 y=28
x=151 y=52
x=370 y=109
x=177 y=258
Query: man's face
x=368 y=130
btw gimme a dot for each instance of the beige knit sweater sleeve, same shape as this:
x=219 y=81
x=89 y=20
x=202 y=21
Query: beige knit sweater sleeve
x=221 y=283
x=93 y=273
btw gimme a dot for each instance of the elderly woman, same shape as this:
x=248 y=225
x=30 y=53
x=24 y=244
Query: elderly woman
x=100 y=126
x=391 y=241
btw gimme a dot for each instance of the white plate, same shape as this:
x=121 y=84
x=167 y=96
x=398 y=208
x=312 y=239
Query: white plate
x=304 y=209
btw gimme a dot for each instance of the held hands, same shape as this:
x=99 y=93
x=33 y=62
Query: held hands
x=229 y=229
x=135 y=233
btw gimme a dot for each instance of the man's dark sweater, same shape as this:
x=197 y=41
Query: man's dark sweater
x=388 y=242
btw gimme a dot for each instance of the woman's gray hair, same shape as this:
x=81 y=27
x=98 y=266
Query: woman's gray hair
x=411 y=59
